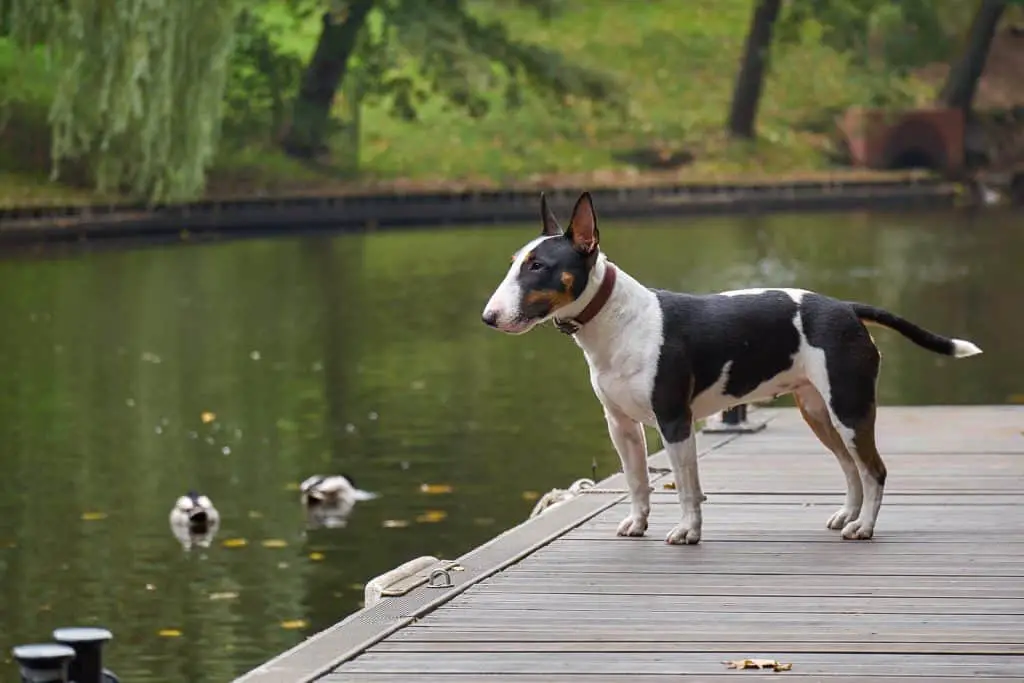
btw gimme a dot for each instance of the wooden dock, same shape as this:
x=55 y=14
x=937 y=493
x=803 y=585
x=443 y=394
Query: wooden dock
x=937 y=595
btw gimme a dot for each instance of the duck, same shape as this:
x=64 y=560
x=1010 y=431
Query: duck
x=329 y=500
x=331 y=490
x=194 y=520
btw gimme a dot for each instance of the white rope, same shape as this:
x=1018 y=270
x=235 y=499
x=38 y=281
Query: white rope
x=556 y=497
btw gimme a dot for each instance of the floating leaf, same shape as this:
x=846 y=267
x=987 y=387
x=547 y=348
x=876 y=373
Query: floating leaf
x=530 y=495
x=431 y=516
x=93 y=516
x=395 y=523
x=294 y=623
x=226 y=595
x=169 y=633
x=316 y=557
x=435 y=488
x=772 y=664
x=207 y=417
x=235 y=542
x=274 y=543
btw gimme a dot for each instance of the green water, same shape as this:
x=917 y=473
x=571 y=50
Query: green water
x=365 y=354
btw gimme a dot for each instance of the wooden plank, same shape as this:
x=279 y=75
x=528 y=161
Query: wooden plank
x=685 y=663
x=399 y=643
x=590 y=677
x=744 y=605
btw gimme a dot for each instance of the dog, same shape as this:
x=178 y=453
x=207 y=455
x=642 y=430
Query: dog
x=666 y=359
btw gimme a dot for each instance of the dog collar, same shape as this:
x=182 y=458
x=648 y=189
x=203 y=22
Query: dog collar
x=573 y=325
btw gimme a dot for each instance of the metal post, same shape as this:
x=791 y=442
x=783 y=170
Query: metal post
x=733 y=421
x=87 y=643
x=43 y=662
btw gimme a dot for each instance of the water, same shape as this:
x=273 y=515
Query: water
x=366 y=355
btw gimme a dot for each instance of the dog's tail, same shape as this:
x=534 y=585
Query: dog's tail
x=958 y=348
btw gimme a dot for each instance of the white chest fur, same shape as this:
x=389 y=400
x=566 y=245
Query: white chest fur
x=621 y=345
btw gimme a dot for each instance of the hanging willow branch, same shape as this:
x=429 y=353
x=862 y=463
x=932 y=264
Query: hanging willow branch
x=140 y=88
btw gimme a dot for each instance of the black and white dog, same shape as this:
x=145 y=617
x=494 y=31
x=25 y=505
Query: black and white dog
x=666 y=359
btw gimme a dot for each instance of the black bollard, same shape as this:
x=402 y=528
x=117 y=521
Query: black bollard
x=87 y=643
x=43 y=662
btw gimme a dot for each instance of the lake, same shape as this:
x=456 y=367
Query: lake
x=128 y=376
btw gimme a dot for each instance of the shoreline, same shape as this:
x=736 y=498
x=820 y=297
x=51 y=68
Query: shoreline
x=369 y=211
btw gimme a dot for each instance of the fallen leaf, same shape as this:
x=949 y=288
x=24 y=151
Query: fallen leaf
x=431 y=516
x=207 y=417
x=435 y=488
x=93 y=516
x=772 y=664
x=530 y=495
x=226 y=595
x=169 y=633
x=1015 y=398
x=274 y=543
x=294 y=623
x=316 y=557
x=670 y=485
x=395 y=523
x=235 y=542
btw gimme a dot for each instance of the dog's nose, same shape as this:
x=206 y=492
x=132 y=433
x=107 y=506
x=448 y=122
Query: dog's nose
x=490 y=318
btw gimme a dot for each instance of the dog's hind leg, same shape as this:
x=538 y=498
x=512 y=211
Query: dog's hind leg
x=846 y=378
x=816 y=414
x=631 y=445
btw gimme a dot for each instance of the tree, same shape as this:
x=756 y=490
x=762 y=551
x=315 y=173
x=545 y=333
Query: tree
x=750 y=80
x=962 y=81
x=139 y=88
x=323 y=77
x=407 y=50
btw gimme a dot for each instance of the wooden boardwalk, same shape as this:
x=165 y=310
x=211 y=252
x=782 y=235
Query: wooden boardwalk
x=937 y=595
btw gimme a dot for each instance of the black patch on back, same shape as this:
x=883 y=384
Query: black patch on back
x=851 y=358
x=703 y=333
x=553 y=257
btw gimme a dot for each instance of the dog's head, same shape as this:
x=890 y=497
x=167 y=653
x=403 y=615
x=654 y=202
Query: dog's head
x=549 y=273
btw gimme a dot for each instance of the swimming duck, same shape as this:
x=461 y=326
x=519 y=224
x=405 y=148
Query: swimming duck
x=194 y=520
x=331 y=490
x=328 y=501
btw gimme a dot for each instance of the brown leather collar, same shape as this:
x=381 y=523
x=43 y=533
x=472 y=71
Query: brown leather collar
x=573 y=325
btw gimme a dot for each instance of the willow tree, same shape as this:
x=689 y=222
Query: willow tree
x=139 y=88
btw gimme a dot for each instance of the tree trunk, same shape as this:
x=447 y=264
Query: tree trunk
x=750 y=79
x=323 y=76
x=962 y=81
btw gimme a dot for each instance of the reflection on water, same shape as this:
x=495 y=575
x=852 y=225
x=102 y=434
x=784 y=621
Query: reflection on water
x=240 y=369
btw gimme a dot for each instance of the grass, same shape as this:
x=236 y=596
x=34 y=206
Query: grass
x=675 y=64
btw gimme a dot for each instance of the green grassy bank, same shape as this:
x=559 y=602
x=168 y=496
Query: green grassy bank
x=675 y=63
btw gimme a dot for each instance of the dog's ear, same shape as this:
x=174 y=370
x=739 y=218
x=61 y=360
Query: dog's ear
x=551 y=227
x=583 y=225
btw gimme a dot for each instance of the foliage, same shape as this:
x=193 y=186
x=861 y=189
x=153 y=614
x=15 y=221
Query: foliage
x=139 y=88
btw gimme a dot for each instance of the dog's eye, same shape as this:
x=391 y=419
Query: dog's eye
x=536 y=265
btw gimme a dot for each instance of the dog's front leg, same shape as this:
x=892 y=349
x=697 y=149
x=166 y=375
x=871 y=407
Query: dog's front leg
x=681 y=446
x=631 y=444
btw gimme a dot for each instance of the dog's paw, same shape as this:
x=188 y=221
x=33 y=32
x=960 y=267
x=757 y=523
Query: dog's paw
x=858 y=530
x=686 y=533
x=632 y=526
x=841 y=517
